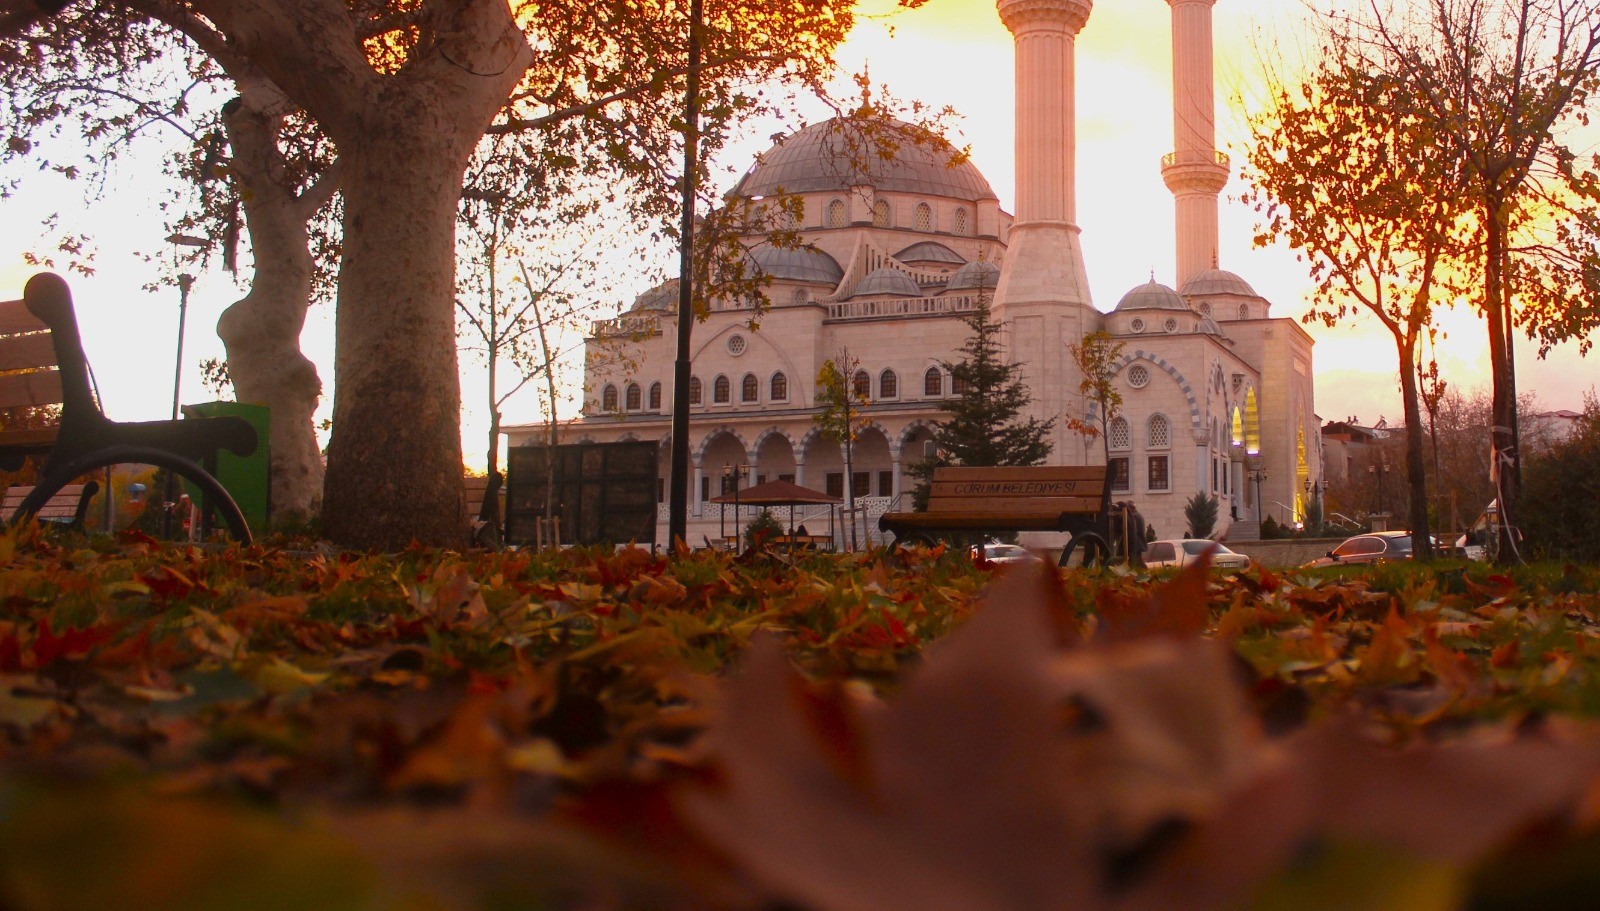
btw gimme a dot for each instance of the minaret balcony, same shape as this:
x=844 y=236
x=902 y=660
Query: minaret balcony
x=1195 y=170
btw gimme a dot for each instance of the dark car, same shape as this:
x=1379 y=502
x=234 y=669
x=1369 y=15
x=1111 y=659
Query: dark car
x=1376 y=547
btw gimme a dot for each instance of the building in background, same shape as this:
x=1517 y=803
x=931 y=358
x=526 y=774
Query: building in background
x=1217 y=393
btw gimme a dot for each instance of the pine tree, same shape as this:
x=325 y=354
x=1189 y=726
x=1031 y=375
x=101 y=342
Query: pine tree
x=983 y=428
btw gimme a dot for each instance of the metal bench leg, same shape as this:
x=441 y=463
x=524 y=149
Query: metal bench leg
x=63 y=475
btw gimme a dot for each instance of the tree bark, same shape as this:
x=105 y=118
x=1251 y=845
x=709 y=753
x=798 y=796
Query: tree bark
x=1503 y=450
x=394 y=463
x=262 y=330
x=1416 y=465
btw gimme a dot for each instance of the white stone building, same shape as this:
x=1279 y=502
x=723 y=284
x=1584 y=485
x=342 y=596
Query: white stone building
x=1217 y=394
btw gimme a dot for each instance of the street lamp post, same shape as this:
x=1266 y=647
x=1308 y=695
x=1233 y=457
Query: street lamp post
x=1379 y=470
x=185 y=282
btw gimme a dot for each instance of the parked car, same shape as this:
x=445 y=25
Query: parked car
x=1004 y=553
x=1376 y=547
x=1183 y=551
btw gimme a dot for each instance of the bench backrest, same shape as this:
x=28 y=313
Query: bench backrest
x=41 y=356
x=1065 y=488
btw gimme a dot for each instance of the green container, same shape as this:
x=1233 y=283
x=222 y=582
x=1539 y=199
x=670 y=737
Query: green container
x=246 y=478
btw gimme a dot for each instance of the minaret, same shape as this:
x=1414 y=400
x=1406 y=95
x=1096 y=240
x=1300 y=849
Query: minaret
x=1043 y=293
x=1195 y=172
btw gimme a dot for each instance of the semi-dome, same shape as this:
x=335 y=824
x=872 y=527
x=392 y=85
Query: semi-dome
x=974 y=276
x=888 y=281
x=929 y=252
x=662 y=297
x=801 y=264
x=1216 y=281
x=842 y=152
x=1152 y=296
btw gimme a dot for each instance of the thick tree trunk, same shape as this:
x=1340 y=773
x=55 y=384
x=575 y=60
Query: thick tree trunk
x=1416 y=464
x=394 y=463
x=262 y=331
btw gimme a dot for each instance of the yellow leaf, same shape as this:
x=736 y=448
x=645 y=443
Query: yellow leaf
x=1351 y=876
x=279 y=676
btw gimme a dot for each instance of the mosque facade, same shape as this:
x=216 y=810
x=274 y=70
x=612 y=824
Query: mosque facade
x=896 y=253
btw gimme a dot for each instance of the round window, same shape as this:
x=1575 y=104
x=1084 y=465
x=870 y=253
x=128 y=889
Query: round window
x=1172 y=325
x=1205 y=309
x=1137 y=325
x=736 y=345
x=1138 y=376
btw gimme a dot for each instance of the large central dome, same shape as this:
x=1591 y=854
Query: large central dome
x=840 y=153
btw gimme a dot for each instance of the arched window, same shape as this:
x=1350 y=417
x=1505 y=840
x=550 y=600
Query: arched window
x=608 y=398
x=780 y=388
x=696 y=394
x=962 y=228
x=635 y=397
x=836 y=214
x=922 y=218
x=1244 y=311
x=1117 y=434
x=958 y=384
x=862 y=386
x=1158 y=433
x=880 y=214
x=749 y=388
x=799 y=297
x=888 y=385
x=721 y=391
x=655 y=396
x=933 y=383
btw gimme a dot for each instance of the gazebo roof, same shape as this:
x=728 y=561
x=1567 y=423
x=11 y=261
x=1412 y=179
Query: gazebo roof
x=778 y=493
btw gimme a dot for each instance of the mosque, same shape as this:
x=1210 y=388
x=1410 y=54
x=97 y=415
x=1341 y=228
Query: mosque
x=1217 y=393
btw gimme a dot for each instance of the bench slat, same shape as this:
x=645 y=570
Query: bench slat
x=16 y=318
x=1013 y=491
x=64 y=505
x=38 y=387
x=1004 y=507
x=1022 y=473
x=26 y=352
x=972 y=521
x=33 y=438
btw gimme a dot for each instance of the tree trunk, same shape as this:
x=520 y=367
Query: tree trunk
x=262 y=330
x=1416 y=464
x=394 y=463
x=1503 y=451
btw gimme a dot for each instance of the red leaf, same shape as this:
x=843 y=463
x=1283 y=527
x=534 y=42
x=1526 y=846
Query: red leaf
x=72 y=643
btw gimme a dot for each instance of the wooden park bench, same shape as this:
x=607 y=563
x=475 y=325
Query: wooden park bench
x=42 y=363
x=68 y=507
x=976 y=502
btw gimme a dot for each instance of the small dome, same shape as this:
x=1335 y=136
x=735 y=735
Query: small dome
x=888 y=281
x=977 y=275
x=1208 y=326
x=1152 y=296
x=929 y=252
x=803 y=264
x=1216 y=281
x=662 y=297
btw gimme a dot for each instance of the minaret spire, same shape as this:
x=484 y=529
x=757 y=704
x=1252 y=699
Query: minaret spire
x=1195 y=171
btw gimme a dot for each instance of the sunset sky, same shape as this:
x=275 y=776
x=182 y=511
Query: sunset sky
x=951 y=52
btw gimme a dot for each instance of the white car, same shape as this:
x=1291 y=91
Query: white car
x=1183 y=551
x=1005 y=553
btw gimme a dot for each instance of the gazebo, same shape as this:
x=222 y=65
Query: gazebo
x=781 y=493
